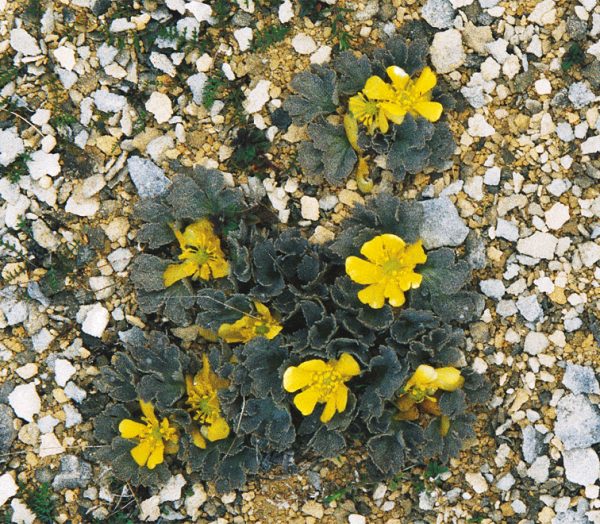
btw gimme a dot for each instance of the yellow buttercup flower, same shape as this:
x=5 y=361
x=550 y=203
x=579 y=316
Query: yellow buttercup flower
x=204 y=405
x=420 y=389
x=201 y=254
x=388 y=271
x=321 y=382
x=380 y=103
x=155 y=437
x=414 y=96
x=250 y=326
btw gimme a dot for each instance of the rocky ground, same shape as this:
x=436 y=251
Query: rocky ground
x=99 y=98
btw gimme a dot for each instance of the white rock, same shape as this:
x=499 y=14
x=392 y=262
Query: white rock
x=118 y=25
x=258 y=97
x=474 y=187
x=156 y=148
x=477 y=482
x=544 y=13
x=25 y=401
x=321 y=55
x=582 y=466
x=172 y=489
x=95 y=321
x=479 y=127
x=160 y=106
x=447 y=52
x=163 y=63
x=22 y=42
x=63 y=371
x=538 y=245
x=106 y=54
x=42 y=164
x=21 y=514
x=492 y=176
x=543 y=87
x=507 y=230
x=355 y=518
x=120 y=258
x=47 y=424
x=540 y=469
x=589 y=253
x=75 y=393
x=201 y=11
x=493 y=288
x=535 y=343
x=108 y=102
x=286 y=12
x=530 y=308
x=50 y=445
x=304 y=44
x=564 y=131
x=195 y=501
x=42 y=339
x=65 y=56
x=150 y=509
x=244 y=37
x=497 y=49
x=8 y=488
x=557 y=216
x=591 y=145
x=27 y=371
x=309 y=208
x=204 y=63
x=11 y=146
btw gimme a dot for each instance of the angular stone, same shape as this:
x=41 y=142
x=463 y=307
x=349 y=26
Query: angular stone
x=577 y=422
x=582 y=466
x=74 y=473
x=148 y=178
x=25 y=401
x=442 y=225
x=581 y=379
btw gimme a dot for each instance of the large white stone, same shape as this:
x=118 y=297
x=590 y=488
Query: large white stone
x=22 y=42
x=25 y=401
x=95 y=321
x=42 y=164
x=65 y=56
x=591 y=145
x=8 y=488
x=582 y=466
x=11 y=146
x=304 y=44
x=447 y=52
x=63 y=371
x=50 y=445
x=244 y=37
x=538 y=245
x=160 y=106
x=258 y=97
x=535 y=343
x=285 y=12
x=479 y=126
x=557 y=216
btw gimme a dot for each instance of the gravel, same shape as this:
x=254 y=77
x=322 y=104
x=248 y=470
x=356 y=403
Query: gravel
x=442 y=225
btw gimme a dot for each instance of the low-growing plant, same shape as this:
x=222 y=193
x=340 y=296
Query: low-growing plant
x=302 y=349
x=353 y=114
x=41 y=500
x=269 y=35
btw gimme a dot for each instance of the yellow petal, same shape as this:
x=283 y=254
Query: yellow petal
x=203 y=272
x=148 y=411
x=208 y=334
x=274 y=330
x=198 y=440
x=351 y=127
x=444 y=425
x=307 y=400
x=218 y=430
x=426 y=82
x=395 y=294
x=219 y=267
x=347 y=366
x=262 y=310
x=398 y=76
x=198 y=233
x=431 y=111
x=393 y=112
x=341 y=398
x=176 y=272
x=382 y=122
x=362 y=271
x=295 y=378
x=364 y=183
x=449 y=379
x=422 y=377
x=379 y=249
x=157 y=455
x=130 y=428
x=377 y=89
x=373 y=295
x=329 y=410
x=356 y=105
x=142 y=451
x=314 y=364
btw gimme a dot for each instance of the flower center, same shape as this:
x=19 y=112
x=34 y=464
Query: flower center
x=393 y=267
x=418 y=394
x=261 y=329
x=371 y=108
x=327 y=381
x=204 y=409
x=199 y=255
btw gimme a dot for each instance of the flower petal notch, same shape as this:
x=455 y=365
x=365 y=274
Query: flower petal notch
x=154 y=437
x=321 y=383
x=388 y=271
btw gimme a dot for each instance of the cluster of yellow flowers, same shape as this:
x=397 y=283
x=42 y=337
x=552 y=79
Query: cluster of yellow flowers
x=380 y=103
x=388 y=272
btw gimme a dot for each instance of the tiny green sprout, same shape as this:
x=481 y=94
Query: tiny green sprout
x=434 y=470
x=574 y=56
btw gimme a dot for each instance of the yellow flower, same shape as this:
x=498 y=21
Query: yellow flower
x=375 y=105
x=321 y=382
x=204 y=405
x=388 y=271
x=155 y=438
x=421 y=387
x=201 y=254
x=414 y=96
x=250 y=326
